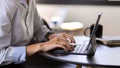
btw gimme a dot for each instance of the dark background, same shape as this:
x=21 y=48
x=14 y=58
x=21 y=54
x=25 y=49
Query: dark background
x=79 y=2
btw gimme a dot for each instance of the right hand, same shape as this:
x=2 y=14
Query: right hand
x=54 y=43
x=49 y=45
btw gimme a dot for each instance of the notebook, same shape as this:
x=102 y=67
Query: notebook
x=88 y=47
x=112 y=41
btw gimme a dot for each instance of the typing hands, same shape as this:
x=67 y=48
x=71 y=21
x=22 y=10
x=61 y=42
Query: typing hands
x=61 y=40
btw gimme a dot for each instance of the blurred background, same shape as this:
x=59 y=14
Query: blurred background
x=85 y=12
x=73 y=16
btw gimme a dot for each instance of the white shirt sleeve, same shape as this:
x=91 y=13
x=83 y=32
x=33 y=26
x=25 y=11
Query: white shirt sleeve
x=8 y=54
x=40 y=28
x=12 y=55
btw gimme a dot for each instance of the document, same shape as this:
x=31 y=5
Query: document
x=109 y=40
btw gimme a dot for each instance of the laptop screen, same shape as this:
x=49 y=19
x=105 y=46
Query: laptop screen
x=92 y=43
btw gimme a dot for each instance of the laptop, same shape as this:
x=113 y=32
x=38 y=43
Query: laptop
x=88 y=47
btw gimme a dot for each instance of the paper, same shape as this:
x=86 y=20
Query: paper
x=109 y=40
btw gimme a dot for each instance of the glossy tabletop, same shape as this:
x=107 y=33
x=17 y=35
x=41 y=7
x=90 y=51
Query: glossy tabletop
x=104 y=56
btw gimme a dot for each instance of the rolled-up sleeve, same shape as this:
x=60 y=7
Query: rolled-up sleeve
x=12 y=55
x=19 y=54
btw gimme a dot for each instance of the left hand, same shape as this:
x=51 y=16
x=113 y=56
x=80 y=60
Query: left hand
x=63 y=36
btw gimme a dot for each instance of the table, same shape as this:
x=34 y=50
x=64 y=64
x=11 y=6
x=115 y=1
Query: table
x=104 y=56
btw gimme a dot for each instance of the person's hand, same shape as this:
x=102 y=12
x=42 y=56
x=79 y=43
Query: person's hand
x=49 y=45
x=63 y=36
x=55 y=43
x=55 y=40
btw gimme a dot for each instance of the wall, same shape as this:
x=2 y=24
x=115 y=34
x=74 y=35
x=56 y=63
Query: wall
x=87 y=14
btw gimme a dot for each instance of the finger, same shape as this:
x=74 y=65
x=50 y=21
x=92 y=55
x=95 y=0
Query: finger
x=68 y=40
x=61 y=46
x=71 y=39
x=62 y=40
x=65 y=44
x=71 y=48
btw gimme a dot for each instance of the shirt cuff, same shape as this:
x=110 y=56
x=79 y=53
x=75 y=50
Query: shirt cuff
x=19 y=54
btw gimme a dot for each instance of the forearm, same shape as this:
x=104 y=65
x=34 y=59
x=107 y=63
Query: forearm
x=32 y=49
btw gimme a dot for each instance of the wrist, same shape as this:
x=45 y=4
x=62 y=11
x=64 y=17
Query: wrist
x=49 y=35
x=32 y=49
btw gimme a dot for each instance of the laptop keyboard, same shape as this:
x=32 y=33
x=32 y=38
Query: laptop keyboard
x=80 y=48
x=77 y=47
